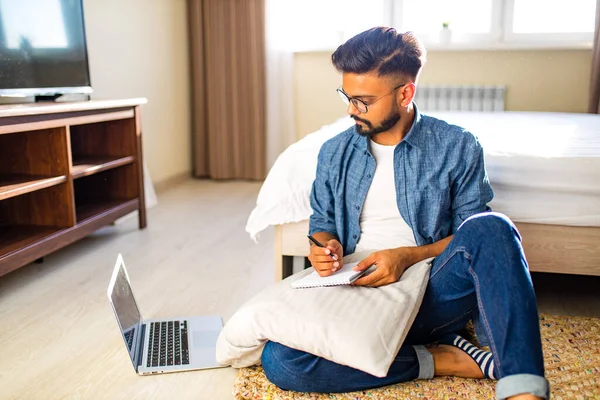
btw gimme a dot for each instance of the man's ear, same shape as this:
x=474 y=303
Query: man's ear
x=407 y=94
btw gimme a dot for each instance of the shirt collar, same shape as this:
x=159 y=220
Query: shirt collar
x=414 y=137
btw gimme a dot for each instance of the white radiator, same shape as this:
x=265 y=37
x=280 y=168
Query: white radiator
x=460 y=98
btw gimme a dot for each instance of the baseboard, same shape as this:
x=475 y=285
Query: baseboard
x=172 y=181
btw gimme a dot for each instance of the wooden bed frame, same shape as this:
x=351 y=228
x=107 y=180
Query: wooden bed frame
x=549 y=248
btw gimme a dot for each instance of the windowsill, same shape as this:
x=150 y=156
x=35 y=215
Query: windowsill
x=482 y=46
x=508 y=46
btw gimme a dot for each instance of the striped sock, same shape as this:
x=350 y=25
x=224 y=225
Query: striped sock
x=484 y=359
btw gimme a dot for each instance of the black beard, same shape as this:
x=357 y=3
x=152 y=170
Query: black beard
x=371 y=131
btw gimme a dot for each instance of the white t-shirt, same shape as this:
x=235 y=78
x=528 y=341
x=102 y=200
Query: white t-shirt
x=381 y=225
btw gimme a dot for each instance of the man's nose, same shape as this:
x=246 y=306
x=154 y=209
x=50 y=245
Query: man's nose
x=352 y=110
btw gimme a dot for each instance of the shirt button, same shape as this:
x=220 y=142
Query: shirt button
x=368 y=175
x=355 y=236
x=357 y=207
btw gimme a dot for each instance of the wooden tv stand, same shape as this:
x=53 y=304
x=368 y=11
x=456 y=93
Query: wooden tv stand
x=66 y=169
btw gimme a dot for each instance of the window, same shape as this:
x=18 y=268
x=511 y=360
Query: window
x=469 y=20
x=549 y=21
x=324 y=24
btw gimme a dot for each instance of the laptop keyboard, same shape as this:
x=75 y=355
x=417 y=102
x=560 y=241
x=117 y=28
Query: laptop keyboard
x=129 y=338
x=168 y=344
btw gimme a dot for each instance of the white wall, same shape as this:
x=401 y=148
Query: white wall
x=139 y=48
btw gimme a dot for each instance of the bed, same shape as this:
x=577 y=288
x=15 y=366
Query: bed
x=544 y=169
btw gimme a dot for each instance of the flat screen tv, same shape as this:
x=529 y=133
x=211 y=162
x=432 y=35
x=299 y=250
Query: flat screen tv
x=43 y=49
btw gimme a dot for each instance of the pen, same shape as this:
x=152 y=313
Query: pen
x=316 y=242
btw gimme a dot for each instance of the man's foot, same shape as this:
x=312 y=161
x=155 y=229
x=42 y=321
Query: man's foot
x=452 y=361
x=454 y=355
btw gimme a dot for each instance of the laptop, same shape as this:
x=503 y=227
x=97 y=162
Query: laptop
x=159 y=346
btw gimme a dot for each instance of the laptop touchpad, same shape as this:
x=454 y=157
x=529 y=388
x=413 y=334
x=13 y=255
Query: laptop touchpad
x=205 y=338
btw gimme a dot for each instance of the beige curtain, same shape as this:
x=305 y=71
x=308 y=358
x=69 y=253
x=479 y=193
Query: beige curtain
x=227 y=40
x=594 y=106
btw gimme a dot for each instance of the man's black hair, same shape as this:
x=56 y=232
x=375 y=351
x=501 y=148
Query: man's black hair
x=383 y=51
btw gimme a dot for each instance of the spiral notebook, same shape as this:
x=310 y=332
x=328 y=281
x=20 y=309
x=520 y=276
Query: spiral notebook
x=344 y=276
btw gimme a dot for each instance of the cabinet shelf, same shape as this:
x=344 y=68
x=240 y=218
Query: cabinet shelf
x=15 y=185
x=14 y=238
x=92 y=165
x=90 y=210
x=66 y=171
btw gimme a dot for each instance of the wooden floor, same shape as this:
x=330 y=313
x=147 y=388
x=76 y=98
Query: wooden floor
x=58 y=335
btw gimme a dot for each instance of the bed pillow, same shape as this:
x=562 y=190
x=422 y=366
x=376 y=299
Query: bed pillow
x=285 y=194
x=360 y=327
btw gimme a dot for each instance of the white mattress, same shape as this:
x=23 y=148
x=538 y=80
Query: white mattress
x=543 y=167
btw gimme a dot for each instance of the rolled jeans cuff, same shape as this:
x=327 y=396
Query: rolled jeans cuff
x=425 y=358
x=513 y=385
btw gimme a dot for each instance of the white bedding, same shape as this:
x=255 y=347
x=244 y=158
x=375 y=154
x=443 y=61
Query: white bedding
x=543 y=167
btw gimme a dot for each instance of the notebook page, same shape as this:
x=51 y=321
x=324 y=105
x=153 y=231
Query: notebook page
x=344 y=276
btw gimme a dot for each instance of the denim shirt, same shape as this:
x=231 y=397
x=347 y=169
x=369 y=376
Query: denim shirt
x=440 y=178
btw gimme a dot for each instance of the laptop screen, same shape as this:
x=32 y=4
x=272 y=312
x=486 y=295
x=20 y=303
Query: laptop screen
x=126 y=310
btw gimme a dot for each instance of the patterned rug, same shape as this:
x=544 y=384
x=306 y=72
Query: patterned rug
x=571 y=354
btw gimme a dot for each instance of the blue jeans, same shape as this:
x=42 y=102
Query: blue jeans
x=481 y=275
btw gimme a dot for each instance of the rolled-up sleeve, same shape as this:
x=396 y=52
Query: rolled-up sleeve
x=321 y=198
x=472 y=190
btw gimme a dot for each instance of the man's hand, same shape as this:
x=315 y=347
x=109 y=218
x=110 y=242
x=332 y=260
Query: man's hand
x=390 y=264
x=321 y=260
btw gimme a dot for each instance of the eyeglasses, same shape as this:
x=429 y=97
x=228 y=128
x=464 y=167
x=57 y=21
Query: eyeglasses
x=359 y=104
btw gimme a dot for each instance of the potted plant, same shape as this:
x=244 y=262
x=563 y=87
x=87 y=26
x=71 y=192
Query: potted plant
x=445 y=33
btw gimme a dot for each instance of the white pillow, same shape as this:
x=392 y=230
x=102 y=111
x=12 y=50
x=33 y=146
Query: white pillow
x=360 y=327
